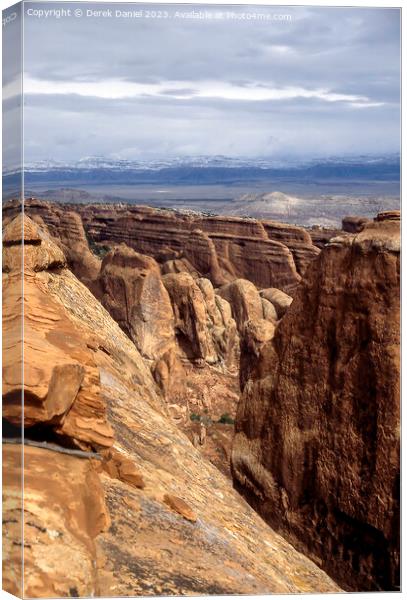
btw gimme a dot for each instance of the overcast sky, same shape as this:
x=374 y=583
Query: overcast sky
x=325 y=82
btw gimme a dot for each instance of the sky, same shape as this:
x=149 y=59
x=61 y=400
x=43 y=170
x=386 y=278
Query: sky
x=294 y=82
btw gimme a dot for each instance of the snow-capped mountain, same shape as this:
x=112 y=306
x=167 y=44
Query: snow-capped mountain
x=208 y=170
x=117 y=164
x=101 y=162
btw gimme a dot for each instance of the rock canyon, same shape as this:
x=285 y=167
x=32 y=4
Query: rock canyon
x=211 y=404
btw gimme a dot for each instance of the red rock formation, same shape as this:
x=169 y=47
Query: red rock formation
x=388 y=215
x=115 y=522
x=201 y=252
x=61 y=393
x=221 y=325
x=65 y=226
x=220 y=248
x=297 y=240
x=244 y=300
x=131 y=289
x=268 y=253
x=278 y=299
x=321 y=235
x=354 y=224
x=204 y=326
x=316 y=449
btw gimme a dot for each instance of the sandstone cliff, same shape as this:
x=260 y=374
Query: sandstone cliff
x=222 y=249
x=219 y=248
x=116 y=497
x=66 y=228
x=317 y=445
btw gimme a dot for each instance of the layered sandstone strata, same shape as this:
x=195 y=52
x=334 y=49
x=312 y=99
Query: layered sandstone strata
x=222 y=249
x=132 y=518
x=66 y=228
x=317 y=445
x=62 y=393
x=267 y=253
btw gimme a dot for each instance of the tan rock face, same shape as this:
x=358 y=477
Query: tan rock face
x=203 y=322
x=244 y=300
x=66 y=228
x=317 y=444
x=62 y=392
x=132 y=291
x=221 y=325
x=101 y=527
x=219 y=248
x=64 y=511
x=278 y=299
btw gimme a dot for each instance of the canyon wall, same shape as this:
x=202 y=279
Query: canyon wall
x=222 y=249
x=168 y=300
x=185 y=302
x=115 y=495
x=316 y=450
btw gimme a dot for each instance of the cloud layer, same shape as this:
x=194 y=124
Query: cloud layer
x=116 y=89
x=325 y=82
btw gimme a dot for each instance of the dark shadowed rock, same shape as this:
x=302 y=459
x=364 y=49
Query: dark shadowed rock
x=354 y=224
x=317 y=443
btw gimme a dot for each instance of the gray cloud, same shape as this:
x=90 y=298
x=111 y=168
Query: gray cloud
x=339 y=52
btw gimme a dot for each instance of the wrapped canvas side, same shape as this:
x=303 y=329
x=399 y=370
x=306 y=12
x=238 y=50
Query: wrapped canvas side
x=201 y=326
x=13 y=546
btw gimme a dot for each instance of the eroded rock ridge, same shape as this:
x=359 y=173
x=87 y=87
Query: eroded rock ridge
x=316 y=450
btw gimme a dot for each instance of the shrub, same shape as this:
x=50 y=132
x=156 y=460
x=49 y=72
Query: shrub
x=226 y=419
x=99 y=251
x=195 y=417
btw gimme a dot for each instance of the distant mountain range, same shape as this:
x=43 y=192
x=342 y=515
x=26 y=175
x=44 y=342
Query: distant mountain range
x=207 y=170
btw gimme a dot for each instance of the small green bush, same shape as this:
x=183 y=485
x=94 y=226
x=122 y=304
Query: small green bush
x=195 y=417
x=226 y=419
x=99 y=251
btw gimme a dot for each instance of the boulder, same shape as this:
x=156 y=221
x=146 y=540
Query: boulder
x=244 y=300
x=269 y=311
x=279 y=299
x=354 y=224
x=181 y=507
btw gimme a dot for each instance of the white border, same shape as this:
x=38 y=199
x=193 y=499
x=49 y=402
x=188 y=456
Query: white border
x=326 y=3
